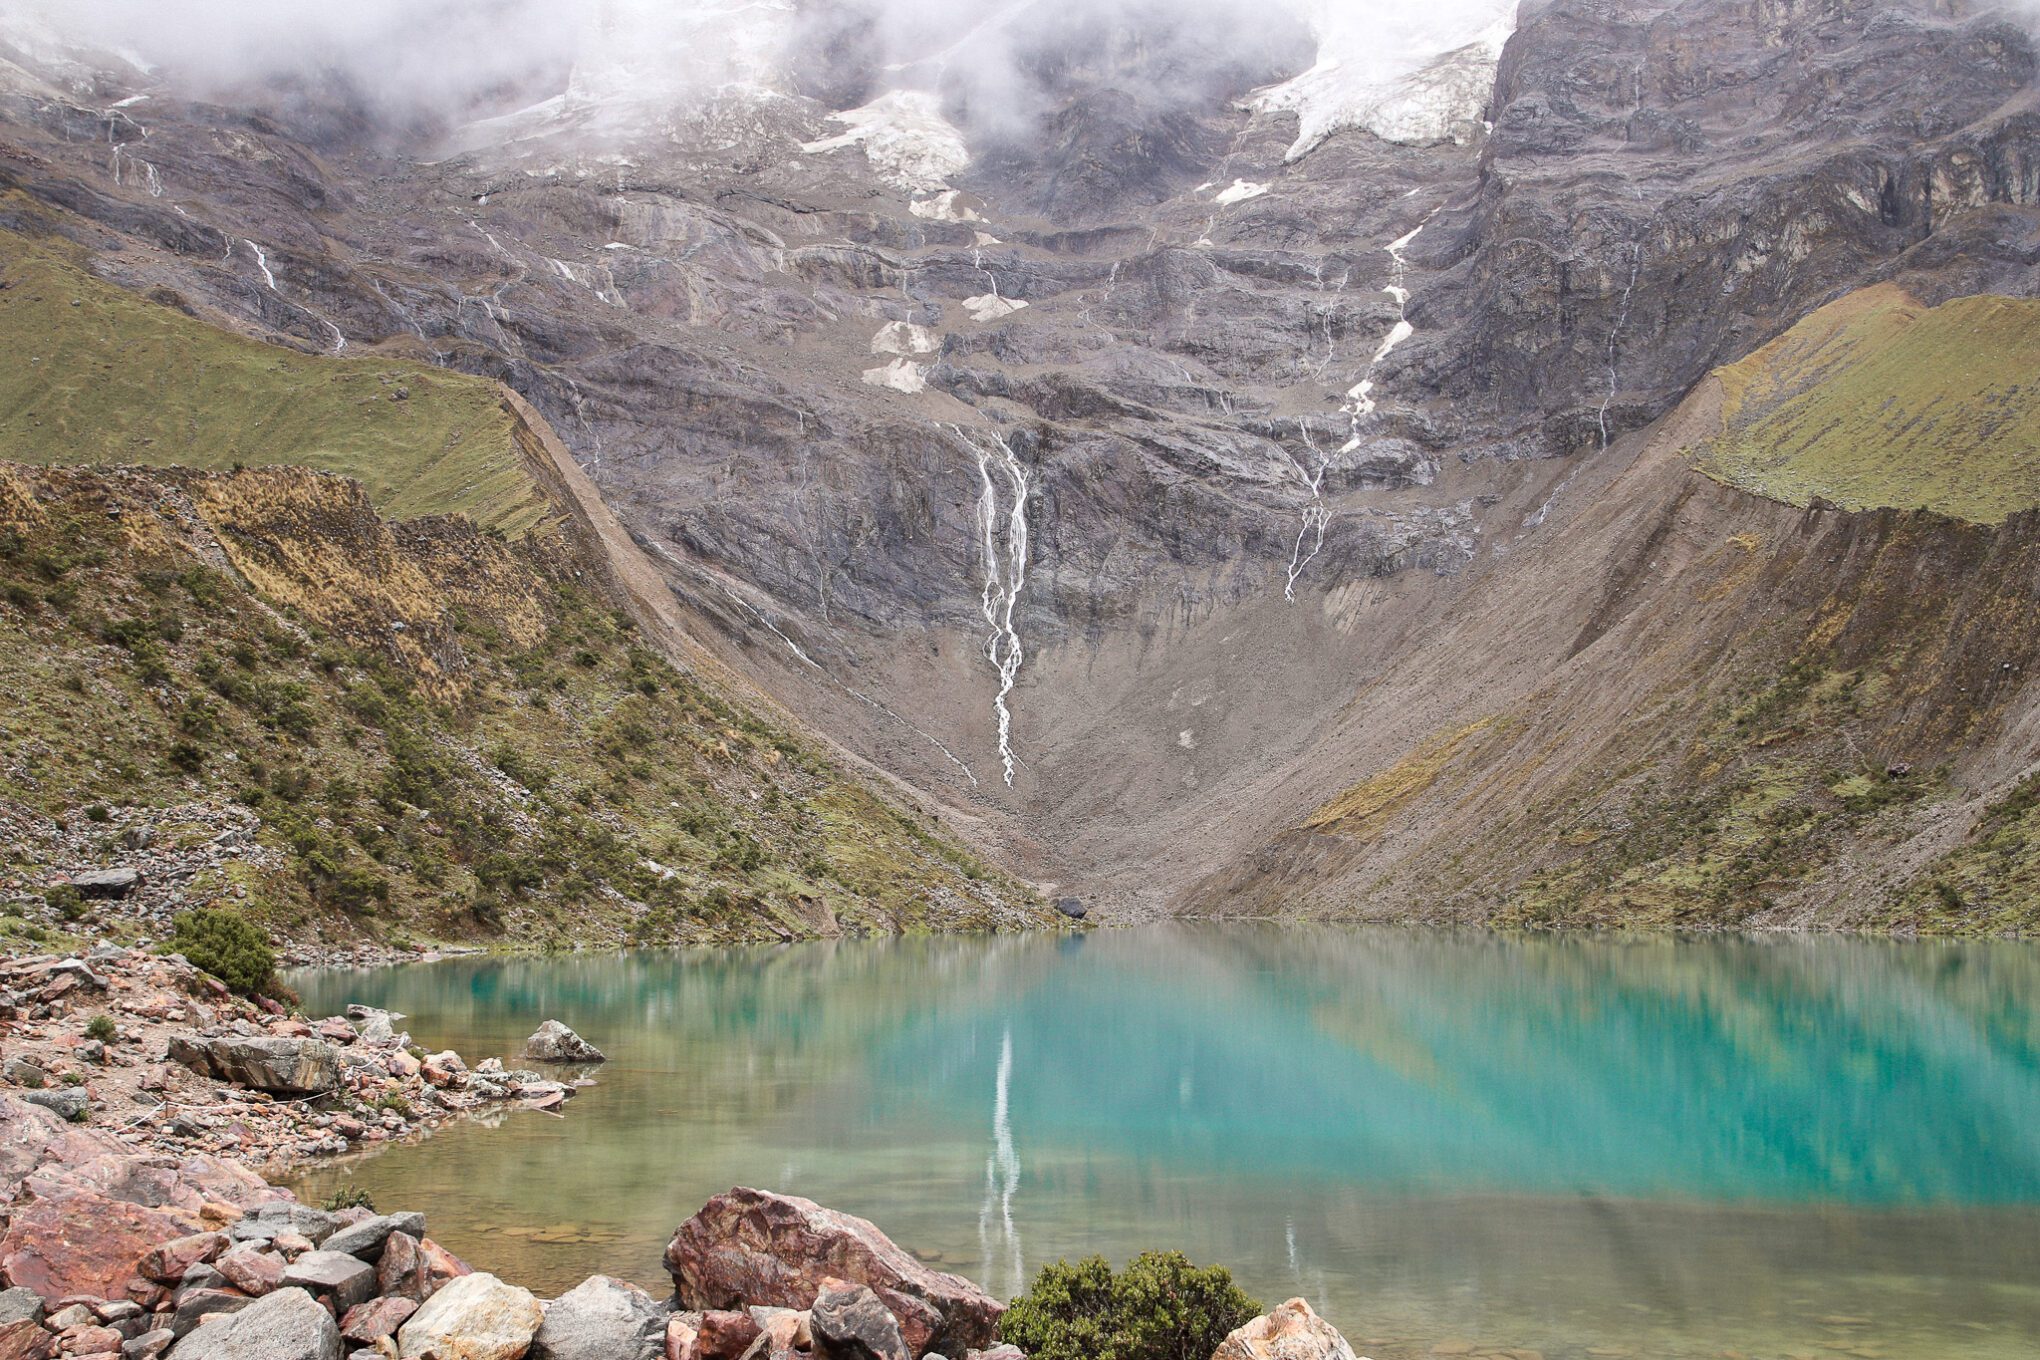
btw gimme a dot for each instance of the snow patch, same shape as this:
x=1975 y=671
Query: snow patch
x=944 y=207
x=1412 y=74
x=1239 y=192
x=991 y=307
x=901 y=375
x=905 y=137
x=904 y=337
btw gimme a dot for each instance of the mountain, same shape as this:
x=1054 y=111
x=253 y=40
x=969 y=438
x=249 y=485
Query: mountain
x=1533 y=463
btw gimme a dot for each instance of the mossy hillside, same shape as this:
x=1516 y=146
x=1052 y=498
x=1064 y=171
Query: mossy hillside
x=98 y=374
x=1878 y=401
x=1988 y=884
x=573 y=788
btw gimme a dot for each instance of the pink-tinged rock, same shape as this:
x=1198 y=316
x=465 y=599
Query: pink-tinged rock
x=725 y=1335
x=1291 y=1332
x=94 y=1340
x=401 y=1064
x=81 y=1242
x=25 y=1339
x=167 y=1263
x=414 y=1269
x=682 y=1333
x=753 y=1247
x=368 y=1323
x=251 y=1270
x=442 y=1267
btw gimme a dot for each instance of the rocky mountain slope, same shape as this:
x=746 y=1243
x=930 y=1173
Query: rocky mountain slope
x=423 y=707
x=1248 y=492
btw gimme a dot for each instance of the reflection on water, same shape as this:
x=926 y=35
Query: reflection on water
x=1649 y=1146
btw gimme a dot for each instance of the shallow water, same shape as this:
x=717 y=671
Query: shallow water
x=1577 y=1145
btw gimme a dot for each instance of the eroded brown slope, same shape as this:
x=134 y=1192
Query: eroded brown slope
x=1686 y=705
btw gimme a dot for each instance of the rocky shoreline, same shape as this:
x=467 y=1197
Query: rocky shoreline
x=143 y=1104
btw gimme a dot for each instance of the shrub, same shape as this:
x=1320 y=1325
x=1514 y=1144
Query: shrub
x=1159 y=1308
x=66 y=901
x=229 y=946
x=102 y=1028
x=348 y=1197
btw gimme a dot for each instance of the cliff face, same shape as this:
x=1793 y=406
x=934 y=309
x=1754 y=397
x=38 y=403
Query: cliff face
x=1155 y=454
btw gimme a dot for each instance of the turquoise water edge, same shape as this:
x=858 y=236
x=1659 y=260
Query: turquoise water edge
x=1578 y=1145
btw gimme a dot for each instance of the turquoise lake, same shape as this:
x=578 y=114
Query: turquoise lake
x=1574 y=1145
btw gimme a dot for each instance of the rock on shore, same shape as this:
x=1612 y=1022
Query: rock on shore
x=751 y=1247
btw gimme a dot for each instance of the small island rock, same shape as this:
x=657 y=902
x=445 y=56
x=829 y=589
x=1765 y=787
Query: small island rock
x=555 y=1043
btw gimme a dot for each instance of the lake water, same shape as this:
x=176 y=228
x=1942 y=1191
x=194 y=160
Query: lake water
x=1583 y=1146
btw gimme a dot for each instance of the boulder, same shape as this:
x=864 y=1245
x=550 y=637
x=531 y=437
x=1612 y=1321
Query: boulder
x=72 y=1240
x=683 y=1330
x=1290 y=1332
x=414 y=1268
x=348 y=1279
x=281 y=1066
x=753 y=1247
x=367 y=1323
x=601 y=1319
x=148 y=1345
x=20 y=1304
x=476 y=1317
x=167 y=1263
x=555 y=1043
x=251 y=1270
x=287 y=1325
x=849 y=1323
x=725 y=1334
x=365 y=1239
x=195 y=1304
x=1072 y=907
x=26 y=1340
x=66 y=1102
x=107 y=883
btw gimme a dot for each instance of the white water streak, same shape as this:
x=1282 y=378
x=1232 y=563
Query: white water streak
x=1315 y=515
x=1615 y=334
x=261 y=263
x=1361 y=396
x=1003 y=582
x=1002 y=1180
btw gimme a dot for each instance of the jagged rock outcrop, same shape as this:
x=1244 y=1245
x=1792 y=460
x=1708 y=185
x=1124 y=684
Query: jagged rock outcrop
x=282 y=1066
x=1292 y=1331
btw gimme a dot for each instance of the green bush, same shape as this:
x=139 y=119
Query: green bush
x=66 y=901
x=229 y=946
x=348 y=1197
x=102 y=1028
x=1159 y=1308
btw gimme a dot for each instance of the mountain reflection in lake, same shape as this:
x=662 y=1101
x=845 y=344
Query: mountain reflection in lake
x=1670 y=1147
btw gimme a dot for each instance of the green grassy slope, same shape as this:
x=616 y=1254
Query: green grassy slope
x=559 y=783
x=1876 y=401
x=96 y=374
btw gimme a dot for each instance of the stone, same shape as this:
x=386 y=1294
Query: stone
x=281 y=1066
x=79 y=1241
x=683 y=1331
x=287 y=1325
x=476 y=1317
x=195 y=1305
x=601 y=1319
x=69 y=1316
x=414 y=1268
x=365 y=1239
x=725 y=1334
x=92 y=1340
x=555 y=1043
x=1000 y=1352
x=1292 y=1331
x=367 y=1323
x=849 y=1323
x=22 y=1072
x=1072 y=907
x=348 y=1279
x=65 y=1102
x=148 y=1345
x=25 y=1340
x=20 y=1304
x=168 y=1263
x=753 y=1247
x=107 y=883
x=251 y=1270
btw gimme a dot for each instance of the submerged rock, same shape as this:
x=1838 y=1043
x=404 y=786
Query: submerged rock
x=601 y=1319
x=753 y=1247
x=294 y=1067
x=1291 y=1332
x=555 y=1043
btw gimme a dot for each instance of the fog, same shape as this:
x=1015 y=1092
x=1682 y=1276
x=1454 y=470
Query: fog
x=450 y=58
